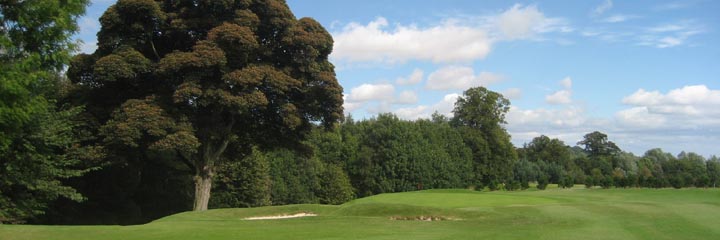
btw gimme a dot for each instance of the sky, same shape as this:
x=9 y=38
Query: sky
x=646 y=73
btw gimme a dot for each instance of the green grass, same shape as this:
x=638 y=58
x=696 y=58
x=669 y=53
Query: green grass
x=551 y=214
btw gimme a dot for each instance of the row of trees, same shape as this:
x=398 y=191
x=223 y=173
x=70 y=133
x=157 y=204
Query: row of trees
x=386 y=154
x=599 y=162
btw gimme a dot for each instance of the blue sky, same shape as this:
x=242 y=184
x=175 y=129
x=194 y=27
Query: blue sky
x=644 y=72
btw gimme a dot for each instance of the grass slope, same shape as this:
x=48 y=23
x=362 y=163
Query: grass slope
x=552 y=214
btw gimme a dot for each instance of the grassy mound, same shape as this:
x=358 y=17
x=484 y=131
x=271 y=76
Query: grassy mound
x=439 y=214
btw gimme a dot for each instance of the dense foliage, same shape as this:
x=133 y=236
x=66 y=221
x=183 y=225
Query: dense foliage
x=37 y=148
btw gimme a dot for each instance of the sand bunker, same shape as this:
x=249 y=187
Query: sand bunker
x=424 y=218
x=297 y=215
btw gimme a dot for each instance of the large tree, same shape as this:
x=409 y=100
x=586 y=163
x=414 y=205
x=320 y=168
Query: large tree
x=193 y=79
x=480 y=113
x=35 y=137
x=596 y=144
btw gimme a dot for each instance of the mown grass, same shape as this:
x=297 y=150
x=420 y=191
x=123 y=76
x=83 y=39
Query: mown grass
x=576 y=213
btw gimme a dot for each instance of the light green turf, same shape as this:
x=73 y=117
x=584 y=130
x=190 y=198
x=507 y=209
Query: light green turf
x=552 y=214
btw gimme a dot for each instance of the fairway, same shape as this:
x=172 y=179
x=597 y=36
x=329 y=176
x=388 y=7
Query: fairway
x=459 y=214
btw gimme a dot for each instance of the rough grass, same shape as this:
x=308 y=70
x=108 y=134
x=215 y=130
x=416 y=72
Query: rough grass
x=576 y=213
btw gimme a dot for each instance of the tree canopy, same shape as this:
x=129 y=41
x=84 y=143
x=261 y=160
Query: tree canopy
x=194 y=78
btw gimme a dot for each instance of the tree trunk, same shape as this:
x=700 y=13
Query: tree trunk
x=204 y=171
x=203 y=184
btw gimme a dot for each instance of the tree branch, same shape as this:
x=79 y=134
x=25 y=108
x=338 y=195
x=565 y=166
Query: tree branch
x=188 y=163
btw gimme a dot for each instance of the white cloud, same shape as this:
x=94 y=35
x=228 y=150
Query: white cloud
x=559 y=97
x=618 y=18
x=667 y=35
x=444 y=106
x=569 y=117
x=671 y=35
x=512 y=93
x=407 y=97
x=697 y=100
x=452 y=40
x=686 y=108
x=380 y=107
x=447 y=104
x=697 y=94
x=415 y=77
x=671 y=6
x=642 y=97
x=351 y=106
x=603 y=7
x=412 y=113
x=520 y=22
x=459 y=78
x=370 y=92
x=686 y=118
x=566 y=82
x=446 y=42
x=568 y=124
x=639 y=117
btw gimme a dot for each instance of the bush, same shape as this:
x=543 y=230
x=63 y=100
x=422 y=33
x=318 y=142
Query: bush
x=606 y=182
x=494 y=185
x=589 y=182
x=702 y=181
x=335 y=187
x=512 y=185
x=677 y=182
x=542 y=182
x=567 y=182
x=524 y=185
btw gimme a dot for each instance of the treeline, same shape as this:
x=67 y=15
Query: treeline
x=190 y=104
x=379 y=155
x=386 y=154
x=599 y=162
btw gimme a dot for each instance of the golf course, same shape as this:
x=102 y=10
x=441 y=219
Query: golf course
x=576 y=213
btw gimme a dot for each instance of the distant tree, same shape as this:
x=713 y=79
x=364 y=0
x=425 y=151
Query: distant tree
x=542 y=182
x=654 y=160
x=480 y=113
x=220 y=73
x=713 y=169
x=597 y=144
x=606 y=182
x=589 y=182
x=37 y=142
x=618 y=176
x=597 y=177
x=525 y=171
x=567 y=181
